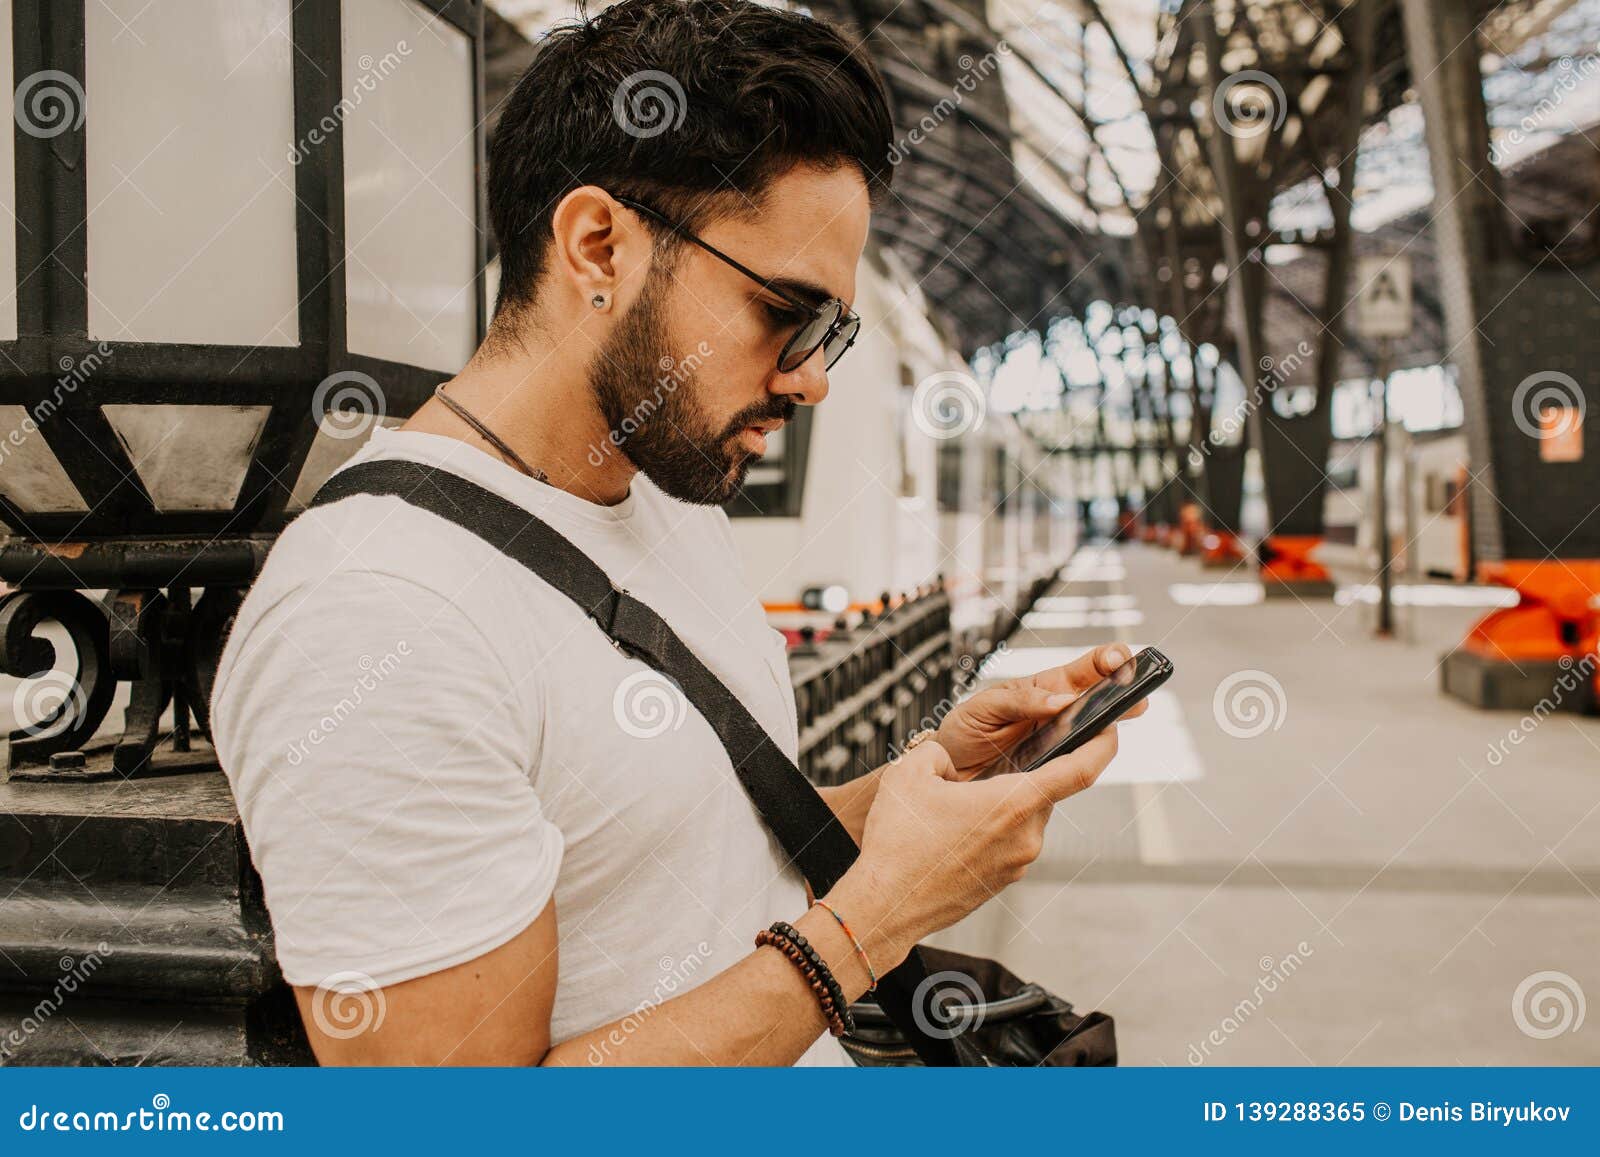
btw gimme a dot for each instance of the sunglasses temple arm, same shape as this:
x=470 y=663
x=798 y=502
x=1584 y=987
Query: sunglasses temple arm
x=715 y=252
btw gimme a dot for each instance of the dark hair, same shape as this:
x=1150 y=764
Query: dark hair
x=692 y=106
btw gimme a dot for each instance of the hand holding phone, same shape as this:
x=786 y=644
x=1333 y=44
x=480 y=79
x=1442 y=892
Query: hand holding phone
x=1089 y=714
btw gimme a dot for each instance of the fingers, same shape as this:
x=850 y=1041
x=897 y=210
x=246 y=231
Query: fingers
x=1084 y=671
x=1070 y=774
x=1109 y=657
x=1028 y=702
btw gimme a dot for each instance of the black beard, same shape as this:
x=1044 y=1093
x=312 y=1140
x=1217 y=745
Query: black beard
x=655 y=416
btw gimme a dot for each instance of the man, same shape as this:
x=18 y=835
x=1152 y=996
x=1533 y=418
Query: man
x=486 y=835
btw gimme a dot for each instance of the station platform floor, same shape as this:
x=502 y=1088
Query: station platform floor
x=1305 y=853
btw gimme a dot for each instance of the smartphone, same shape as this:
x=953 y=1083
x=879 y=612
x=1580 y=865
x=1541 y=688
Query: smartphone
x=1088 y=714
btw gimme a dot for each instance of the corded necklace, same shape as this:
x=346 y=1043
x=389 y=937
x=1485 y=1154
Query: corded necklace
x=489 y=436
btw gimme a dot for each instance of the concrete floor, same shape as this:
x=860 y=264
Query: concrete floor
x=1305 y=853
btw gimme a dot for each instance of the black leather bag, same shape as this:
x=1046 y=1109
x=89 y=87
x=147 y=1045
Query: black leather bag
x=913 y=1020
x=1006 y=1021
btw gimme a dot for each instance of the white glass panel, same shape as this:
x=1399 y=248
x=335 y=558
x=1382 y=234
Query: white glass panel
x=31 y=475
x=8 y=193
x=190 y=457
x=333 y=446
x=410 y=199
x=191 y=189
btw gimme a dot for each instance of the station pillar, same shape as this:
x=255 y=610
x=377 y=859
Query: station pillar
x=1523 y=328
x=1223 y=492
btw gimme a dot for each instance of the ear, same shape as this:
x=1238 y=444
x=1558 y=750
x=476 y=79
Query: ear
x=601 y=250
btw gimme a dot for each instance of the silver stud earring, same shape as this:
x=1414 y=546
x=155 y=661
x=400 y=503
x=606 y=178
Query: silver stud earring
x=598 y=301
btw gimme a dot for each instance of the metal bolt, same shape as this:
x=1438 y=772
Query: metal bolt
x=69 y=764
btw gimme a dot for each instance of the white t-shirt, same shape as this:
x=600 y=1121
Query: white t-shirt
x=427 y=743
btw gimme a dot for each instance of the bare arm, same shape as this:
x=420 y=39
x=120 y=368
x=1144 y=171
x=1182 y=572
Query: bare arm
x=852 y=801
x=495 y=1010
x=933 y=849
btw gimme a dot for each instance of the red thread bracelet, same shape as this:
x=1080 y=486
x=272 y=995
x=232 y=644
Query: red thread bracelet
x=854 y=943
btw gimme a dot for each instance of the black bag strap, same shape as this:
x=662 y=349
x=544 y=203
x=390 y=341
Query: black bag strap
x=805 y=827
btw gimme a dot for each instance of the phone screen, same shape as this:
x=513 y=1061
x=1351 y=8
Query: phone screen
x=1088 y=714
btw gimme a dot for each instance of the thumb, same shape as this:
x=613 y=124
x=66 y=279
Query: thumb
x=930 y=758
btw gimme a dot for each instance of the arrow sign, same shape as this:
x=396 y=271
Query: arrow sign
x=1383 y=296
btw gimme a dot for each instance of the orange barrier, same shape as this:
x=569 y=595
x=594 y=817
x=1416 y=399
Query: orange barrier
x=874 y=605
x=1286 y=558
x=1530 y=655
x=1190 y=531
x=1558 y=615
x=1221 y=548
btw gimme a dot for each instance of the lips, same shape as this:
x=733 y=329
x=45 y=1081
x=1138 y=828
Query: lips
x=754 y=436
x=754 y=439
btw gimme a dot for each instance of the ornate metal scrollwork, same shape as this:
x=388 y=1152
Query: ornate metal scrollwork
x=156 y=641
x=69 y=724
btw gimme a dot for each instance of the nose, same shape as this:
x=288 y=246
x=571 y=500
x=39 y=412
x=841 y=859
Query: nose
x=807 y=383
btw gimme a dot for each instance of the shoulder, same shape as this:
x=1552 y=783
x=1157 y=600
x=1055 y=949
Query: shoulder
x=372 y=583
x=371 y=548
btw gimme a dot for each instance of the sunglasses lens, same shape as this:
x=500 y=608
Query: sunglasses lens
x=806 y=340
x=833 y=349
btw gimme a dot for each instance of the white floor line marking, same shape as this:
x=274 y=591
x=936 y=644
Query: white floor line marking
x=1157 y=844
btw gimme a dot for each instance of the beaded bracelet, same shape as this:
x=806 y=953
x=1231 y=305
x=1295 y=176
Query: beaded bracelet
x=860 y=951
x=788 y=940
x=830 y=1013
x=791 y=933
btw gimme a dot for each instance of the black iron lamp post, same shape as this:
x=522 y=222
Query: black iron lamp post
x=246 y=233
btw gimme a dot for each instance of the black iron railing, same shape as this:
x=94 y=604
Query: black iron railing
x=861 y=690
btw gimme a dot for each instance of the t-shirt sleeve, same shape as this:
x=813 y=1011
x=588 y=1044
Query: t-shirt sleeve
x=379 y=755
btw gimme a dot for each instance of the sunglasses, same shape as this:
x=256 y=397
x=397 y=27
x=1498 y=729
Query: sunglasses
x=829 y=327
